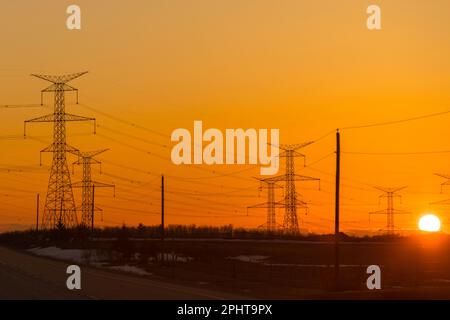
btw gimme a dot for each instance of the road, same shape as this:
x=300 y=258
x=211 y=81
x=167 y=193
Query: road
x=23 y=276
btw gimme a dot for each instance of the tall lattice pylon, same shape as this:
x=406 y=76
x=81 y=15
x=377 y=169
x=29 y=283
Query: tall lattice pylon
x=443 y=184
x=270 y=225
x=390 y=212
x=446 y=182
x=59 y=210
x=291 y=200
x=88 y=208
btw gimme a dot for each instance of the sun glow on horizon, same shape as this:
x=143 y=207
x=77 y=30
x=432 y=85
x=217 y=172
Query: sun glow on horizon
x=429 y=223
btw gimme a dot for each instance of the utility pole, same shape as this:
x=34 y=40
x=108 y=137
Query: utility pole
x=336 y=214
x=59 y=209
x=390 y=194
x=37 y=212
x=93 y=207
x=162 y=208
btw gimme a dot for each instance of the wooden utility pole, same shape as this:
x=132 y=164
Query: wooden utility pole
x=37 y=212
x=93 y=208
x=336 y=218
x=162 y=208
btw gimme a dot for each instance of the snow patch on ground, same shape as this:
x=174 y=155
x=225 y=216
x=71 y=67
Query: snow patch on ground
x=74 y=255
x=262 y=260
x=80 y=256
x=310 y=265
x=131 y=269
x=174 y=257
x=252 y=258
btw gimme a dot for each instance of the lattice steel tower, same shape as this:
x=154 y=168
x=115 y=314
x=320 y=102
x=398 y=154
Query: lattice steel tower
x=291 y=202
x=443 y=184
x=88 y=208
x=390 y=212
x=271 y=204
x=59 y=210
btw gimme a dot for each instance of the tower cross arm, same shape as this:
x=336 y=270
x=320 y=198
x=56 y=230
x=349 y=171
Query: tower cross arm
x=291 y=153
x=267 y=205
x=46 y=118
x=60 y=79
x=292 y=147
x=102 y=185
x=443 y=175
x=73 y=117
x=62 y=87
x=52 y=118
x=441 y=202
x=91 y=154
x=390 y=190
x=299 y=177
x=68 y=148
x=299 y=145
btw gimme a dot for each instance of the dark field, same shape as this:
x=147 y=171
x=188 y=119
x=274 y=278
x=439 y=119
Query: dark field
x=413 y=267
x=295 y=269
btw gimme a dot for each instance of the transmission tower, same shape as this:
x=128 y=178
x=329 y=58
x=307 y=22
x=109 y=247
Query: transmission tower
x=86 y=159
x=443 y=184
x=390 y=212
x=270 y=225
x=291 y=199
x=59 y=210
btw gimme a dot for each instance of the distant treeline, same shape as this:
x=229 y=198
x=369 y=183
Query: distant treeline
x=174 y=232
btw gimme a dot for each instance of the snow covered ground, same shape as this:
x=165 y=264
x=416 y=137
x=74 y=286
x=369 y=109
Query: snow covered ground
x=251 y=258
x=263 y=260
x=175 y=257
x=73 y=255
x=79 y=256
x=130 y=269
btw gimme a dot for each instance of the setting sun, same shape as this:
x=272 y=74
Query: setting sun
x=429 y=223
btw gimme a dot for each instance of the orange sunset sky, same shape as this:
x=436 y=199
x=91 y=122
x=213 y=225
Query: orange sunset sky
x=306 y=67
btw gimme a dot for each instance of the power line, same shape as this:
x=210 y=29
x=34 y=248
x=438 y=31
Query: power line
x=130 y=210
x=132 y=124
x=131 y=168
x=194 y=198
x=132 y=147
x=157 y=155
x=320 y=159
x=386 y=123
x=17 y=106
x=183 y=179
x=115 y=176
x=343 y=178
x=230 y=174
x=132 y=136
x=395 y=153
x=329 y=133
x=180 y=190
